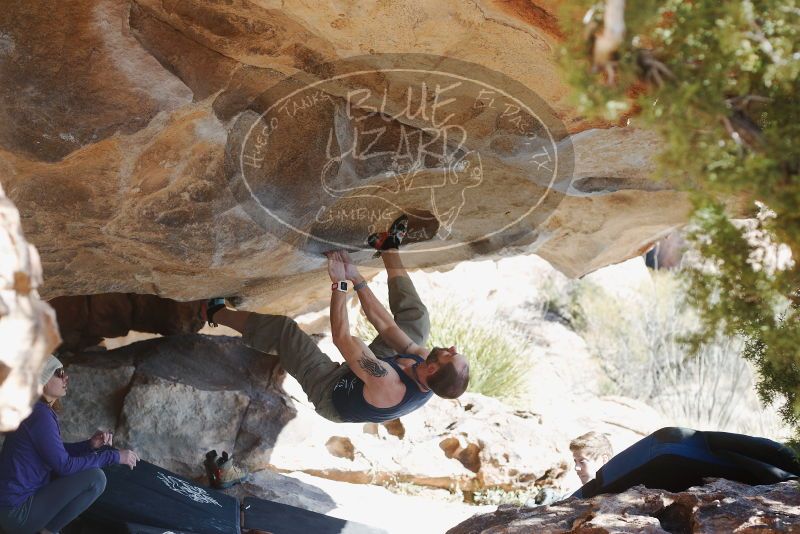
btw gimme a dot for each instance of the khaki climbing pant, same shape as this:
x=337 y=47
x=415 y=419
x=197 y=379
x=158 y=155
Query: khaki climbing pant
x=312 y=368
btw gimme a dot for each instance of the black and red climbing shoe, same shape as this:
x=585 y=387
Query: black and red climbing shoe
x=213 y=306
x=391 y=239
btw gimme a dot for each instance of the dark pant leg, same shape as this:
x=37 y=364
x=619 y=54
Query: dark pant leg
x=300 y=356
x=64 y=499
x=409 y=312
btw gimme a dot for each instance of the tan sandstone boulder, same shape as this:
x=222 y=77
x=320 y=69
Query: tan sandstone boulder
x=137 y=140
x=28 y=330
x=125 y=134
x=178 y=423
x=172 y=399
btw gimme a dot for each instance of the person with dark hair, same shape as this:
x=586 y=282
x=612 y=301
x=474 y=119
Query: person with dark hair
x=392 y=376
x=44 y=482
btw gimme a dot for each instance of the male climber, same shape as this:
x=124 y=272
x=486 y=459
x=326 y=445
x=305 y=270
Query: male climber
x=392 y=376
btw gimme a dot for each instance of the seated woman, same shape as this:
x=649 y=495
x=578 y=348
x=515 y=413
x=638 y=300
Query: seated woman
x=44 y=482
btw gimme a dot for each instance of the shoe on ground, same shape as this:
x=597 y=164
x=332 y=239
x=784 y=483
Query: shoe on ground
x=210 y=465
x=213 y=306
x=222 y=473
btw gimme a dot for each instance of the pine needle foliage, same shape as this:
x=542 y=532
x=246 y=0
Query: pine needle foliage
x=720 y=82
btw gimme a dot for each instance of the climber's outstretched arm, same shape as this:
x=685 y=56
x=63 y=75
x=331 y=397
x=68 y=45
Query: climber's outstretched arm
x=360 y=358
x=376 y=313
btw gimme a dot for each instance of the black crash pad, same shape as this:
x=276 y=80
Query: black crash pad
x=87 y=526
x=675 y=458
x=152 y=496
x=132 y=528
x=281 y=518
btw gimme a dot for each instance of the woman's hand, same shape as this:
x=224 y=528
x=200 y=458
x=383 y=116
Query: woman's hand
x=128 y=457
x=100 y=439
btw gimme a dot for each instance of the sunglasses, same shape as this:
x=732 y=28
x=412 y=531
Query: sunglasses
x=60 y=372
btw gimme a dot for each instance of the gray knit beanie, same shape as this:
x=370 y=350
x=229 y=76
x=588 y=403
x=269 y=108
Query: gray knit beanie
x=49 y=368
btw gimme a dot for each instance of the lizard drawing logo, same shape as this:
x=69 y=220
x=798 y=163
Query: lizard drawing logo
x=322 y=162
x=190 y=491
x=433 y=160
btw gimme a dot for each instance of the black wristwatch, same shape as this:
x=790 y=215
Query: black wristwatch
x=341 y=285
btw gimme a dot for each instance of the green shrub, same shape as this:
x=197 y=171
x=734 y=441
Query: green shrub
x=497 y=354
x=639 y=341
x=725 y=103
x=496 y=497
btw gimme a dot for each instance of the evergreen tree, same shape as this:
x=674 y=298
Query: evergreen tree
x=719 y=81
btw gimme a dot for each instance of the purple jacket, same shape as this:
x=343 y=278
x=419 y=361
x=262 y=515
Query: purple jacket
x=35 y=451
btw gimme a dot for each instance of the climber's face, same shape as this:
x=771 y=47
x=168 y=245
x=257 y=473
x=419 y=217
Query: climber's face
x=442 y=356
x=587 y=467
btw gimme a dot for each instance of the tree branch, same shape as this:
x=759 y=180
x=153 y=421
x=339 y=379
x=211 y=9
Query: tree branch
x=608 y=41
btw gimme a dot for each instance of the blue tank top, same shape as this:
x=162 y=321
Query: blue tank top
x=348 y=396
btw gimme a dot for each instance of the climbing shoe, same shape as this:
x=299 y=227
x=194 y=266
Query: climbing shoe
x=221 y=472
x=212 y=307
x=211 y=467
x=227 y=474
x=391 y=239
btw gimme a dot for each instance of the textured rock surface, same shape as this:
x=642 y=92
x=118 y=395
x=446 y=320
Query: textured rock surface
x=720 y=506
x=118 y=117
x=96 y=395
x=178 y=423
x=85 y=321
x=470 y=444
x=462 y=444
x=174 y=398
x=28 y=330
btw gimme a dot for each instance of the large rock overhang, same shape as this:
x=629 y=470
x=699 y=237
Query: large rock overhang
x=126 y=129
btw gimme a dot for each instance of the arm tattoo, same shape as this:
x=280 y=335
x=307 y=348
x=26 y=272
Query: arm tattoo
x=408 y=346
x=372 y=366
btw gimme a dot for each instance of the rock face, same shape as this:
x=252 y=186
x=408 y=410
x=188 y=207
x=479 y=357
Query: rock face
x=27 y=325
x=85 y=321
x=720 y=506
x=457 y=445
x=174 y=398
x=127 y=127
